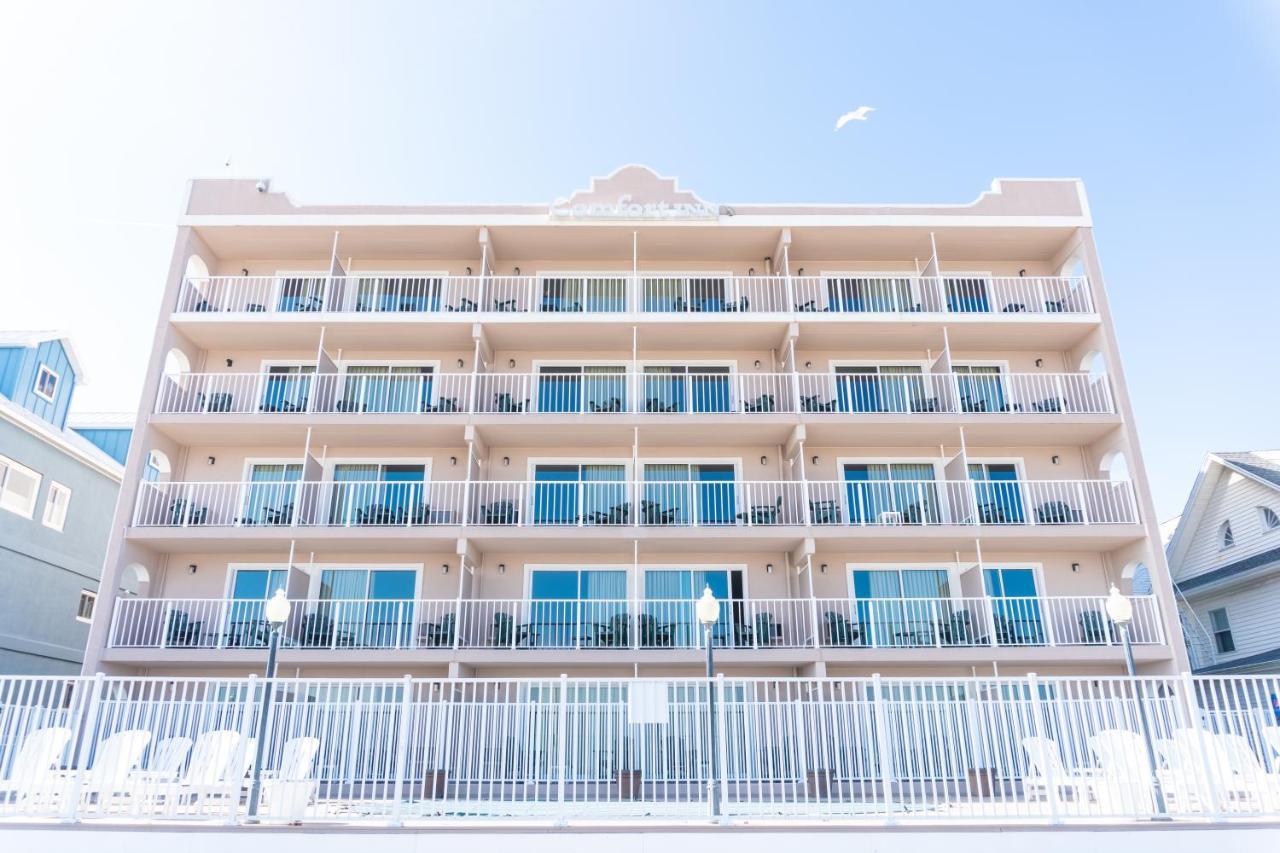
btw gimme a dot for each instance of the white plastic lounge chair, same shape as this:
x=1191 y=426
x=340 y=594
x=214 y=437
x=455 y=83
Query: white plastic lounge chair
x=1045 y=769
x=31 y=774
x=113 y=761
x=210 y=770
x=1241 y=781
x=288 y=791
x=167 y=759
x=1125 y=786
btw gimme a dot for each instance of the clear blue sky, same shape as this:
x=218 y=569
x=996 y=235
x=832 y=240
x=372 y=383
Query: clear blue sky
x=1168 y=110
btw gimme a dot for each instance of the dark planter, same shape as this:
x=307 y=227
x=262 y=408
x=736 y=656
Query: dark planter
x=982 y=781
x=629 y=783
x=817 y=784
x=434 y=784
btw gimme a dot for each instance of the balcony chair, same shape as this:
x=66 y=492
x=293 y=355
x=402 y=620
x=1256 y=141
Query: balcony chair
x=438 y=634
x=1014 y=308
x=824 y=512
x=653 y=513
x=768 y=630
x=317 y=631
x=962 y=633
x=814 y=403
x=284 y=406
x=763 y=403
x=374 y=514
x=351 y=406
x=839 y=631
x=505 y=306
x=505 y=633
x=178 y=513
x=31 y=775
x=1051 y=405
x=810 y=307
x=220 y=402
x=616 y=633
x=1058 y=512
x=506 y=403
x=559 y=305
x=464 y=304
x=654 y=634
x=992 y=513
x=500 y=512
x=1056 y=306
x=743 y=635
x=654 y=404
x=442 y=405
x=181 y=631
x=278 y=515
x=613 y=404
x=925 y=404
x=203 y=306
x=1095 y=628
x=763 y=513
x=620 y=514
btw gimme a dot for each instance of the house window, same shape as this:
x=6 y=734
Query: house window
x=18 y=487
x=1228 y=538
x=46 y=383
x=1270 y=521
x=84 y=611
x=1221 y=630
x=55 y=505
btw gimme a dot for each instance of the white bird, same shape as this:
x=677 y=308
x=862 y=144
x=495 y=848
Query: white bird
x=860 y=114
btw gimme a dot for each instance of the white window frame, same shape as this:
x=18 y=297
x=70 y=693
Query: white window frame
x=40 y=374
x=9 y=466
x=1265 y=512
x=92 y=596
x=1224 y=530
x=56 y=488
x=953 y=574
x=1228 y=630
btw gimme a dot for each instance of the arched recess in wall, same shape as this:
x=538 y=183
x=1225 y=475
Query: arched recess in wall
x=1115 y=465
x=196 y=268
x=1072 y=267
x=157 y=467
x=135 y=580
x=175 y=362
x=1138 y=576
x=1094 y=363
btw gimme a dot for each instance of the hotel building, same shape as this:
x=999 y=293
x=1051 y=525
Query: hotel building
x=510 y=440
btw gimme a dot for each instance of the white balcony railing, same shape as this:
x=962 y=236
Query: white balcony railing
x=628 y=392
x=781 y=623
x=624 y=292
x=653 y=503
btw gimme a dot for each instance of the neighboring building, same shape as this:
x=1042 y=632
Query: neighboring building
x=509 y=440
x=58 y=493
x=1225 y=562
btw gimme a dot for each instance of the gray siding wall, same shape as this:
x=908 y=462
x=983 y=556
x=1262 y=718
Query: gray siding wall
x=42 y=571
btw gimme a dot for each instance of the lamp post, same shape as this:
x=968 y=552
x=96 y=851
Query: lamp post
x=277 y=613
x=708 y=611
x=1120 y=611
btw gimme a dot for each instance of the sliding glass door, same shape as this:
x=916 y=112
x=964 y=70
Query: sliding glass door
x=398 y=293
x=369 y=608
x=891 y=493
x=692 y=388
x=272 y=493
x=670 y=597
x=903 y=607
x=967 y=295
x=574 y=493
x=683 y=493
x=386 y=388
x=574 y=608
x=377 y=493
x=1016 y=606
x=287 y=388
x=587 y=388
x=981 y=388
x=880 y=388
x=250 y=589
x=870 y=294
x=998 y=492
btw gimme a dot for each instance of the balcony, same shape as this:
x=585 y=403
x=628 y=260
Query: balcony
x=716 y=504
x=654 y=293
x=635 y=393
x=515 y=625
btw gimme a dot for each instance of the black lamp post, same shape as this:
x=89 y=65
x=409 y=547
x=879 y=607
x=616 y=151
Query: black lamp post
x=708 y=610
x=277 y=613
x=1120 y=611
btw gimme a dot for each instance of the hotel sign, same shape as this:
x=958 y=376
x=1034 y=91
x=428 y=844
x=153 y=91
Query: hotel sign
x=632 y=193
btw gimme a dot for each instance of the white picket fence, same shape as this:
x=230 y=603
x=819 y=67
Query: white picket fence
x=872 y=750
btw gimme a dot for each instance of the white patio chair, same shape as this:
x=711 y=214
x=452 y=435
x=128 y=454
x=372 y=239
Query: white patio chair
x=210 y=771
x=113 y=761
x=1045 y=769
x=1126 y=784
x=288 y=790
x=166 y=761
x=1240 y=777
x=31 y=775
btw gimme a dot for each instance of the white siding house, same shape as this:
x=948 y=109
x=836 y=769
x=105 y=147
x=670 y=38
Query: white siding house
x=1224 y=558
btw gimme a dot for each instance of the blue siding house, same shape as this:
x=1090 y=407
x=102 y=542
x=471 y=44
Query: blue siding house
x=59 y=479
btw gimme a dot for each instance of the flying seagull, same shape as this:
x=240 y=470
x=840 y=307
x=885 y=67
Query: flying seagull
x=860 y=114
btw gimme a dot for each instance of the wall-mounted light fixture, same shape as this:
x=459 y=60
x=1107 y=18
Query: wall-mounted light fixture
x=764 y=460
x=800 y=271
x=244 y=271
x=808 y=364
x=1054 y=459
x=213 y=460
x=191 y=568
x=1039 y=362
x=515 y=270
x=757 y=364
x=1075 y=567
x=461 y=363
x=1021 y=273
x=506 y=460
x=502 y=568
x=814 y=460
x=468 y=270
x=768 y=568
x=751 y=271
x=823 y=568
x=453 y=460
x=511 y=363
x=444 y=570
x=230 y=362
